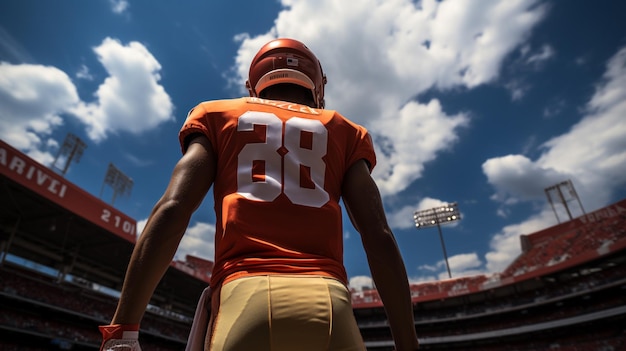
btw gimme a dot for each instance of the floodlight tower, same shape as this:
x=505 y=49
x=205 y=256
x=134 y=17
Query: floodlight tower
x=119 y=182
x=564 y=192
x=71 y=150
x=435 y=217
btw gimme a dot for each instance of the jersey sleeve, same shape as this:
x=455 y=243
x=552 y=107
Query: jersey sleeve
x=194 y=124
x=363 y=148
x=366 y=151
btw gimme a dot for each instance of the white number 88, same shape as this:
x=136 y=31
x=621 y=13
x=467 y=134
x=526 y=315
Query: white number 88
x=277 y=179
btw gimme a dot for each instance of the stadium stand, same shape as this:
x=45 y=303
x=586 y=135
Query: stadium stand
x=566 y=291
x=64 y=253
x=63 y=258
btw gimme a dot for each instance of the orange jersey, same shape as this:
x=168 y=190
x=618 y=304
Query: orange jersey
x=280 y=168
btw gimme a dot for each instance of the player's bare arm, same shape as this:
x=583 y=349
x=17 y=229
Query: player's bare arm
x=191 y=179
x=364 y=206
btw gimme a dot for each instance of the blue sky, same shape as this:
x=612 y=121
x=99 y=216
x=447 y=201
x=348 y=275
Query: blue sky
x=485 y=103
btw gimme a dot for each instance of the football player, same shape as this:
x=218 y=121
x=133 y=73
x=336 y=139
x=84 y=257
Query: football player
x=279 y=164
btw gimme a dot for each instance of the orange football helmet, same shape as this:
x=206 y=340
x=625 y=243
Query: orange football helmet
x=286 y=60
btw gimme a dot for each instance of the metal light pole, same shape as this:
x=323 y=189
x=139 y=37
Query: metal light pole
x=71 y=150
x=435 y=217
x=564 y=197
x=119 y=182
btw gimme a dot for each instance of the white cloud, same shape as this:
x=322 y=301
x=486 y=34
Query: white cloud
x=592 y=154
x=594 y=150
x=431 y=268
x=83 y=73
x=119 y=6
x=506 y=246
x=415 y=136
x=402 y=218
x=529 y=60
x=517 y=178
x=428 y=202
x=379 y=55
x=130 y=99
x=198 y=241
x=517 y=88
x=140 y=225
x=546 y=53
x=424 y=278
x=461 y=265
x=32 y=99
x=464 y=262
x=361 y=282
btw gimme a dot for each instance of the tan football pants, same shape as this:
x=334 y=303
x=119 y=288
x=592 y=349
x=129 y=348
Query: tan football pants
x=280 y=313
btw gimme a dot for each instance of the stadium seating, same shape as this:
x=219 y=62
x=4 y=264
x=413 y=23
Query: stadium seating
x=565 y=291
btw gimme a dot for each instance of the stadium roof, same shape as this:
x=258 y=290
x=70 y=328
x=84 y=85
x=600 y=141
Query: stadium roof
x=53 y=223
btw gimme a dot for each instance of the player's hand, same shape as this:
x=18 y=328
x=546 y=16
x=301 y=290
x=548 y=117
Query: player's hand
x=120 y=337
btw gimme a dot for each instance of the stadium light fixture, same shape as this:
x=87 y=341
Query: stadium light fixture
x=118 y=181
x=435 y=217
x=564 y=192
x=71 y=150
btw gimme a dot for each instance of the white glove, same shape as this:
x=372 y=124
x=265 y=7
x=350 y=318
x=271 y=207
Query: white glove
x=120 y=337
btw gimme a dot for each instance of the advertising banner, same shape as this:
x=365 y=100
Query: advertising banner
x=52 y=186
